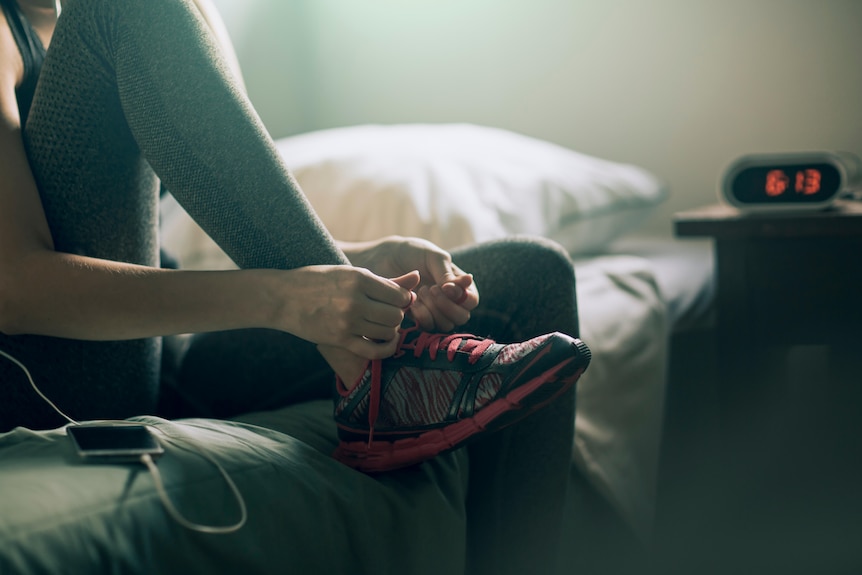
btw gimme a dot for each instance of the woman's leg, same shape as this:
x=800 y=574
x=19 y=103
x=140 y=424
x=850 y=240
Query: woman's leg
x=132 y=83
x=518 y=477
x=264 y=364
x=129 y=88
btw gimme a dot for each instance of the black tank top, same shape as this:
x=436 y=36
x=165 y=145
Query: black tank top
x=32 y=52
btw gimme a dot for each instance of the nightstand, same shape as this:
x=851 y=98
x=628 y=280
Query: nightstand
x=783 y=280
x=789 y=381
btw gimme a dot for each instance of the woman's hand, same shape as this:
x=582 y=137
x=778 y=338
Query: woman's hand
x=445 y=295
x=345 y=307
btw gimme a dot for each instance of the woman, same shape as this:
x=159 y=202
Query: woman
x=132 y=89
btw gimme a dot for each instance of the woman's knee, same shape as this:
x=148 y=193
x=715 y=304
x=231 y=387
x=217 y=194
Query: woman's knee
x=526 y=284
x=546 y=255
x=535 y=258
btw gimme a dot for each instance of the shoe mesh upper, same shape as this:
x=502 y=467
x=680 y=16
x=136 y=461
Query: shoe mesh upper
x=416 y=397
x=488 y=388
x=516 y=351
x=402 y=411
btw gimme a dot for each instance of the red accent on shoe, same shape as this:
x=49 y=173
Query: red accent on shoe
x=434 y=342
x=430 y=404
x=374 y=399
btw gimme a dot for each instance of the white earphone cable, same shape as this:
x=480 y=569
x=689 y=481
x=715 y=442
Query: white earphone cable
x=154 y=470
x=33 y=384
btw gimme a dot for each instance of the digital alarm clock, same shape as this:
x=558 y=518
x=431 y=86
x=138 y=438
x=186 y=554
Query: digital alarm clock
x=808 y=180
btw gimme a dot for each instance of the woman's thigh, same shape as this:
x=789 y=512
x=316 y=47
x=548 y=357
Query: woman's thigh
x=227 y=373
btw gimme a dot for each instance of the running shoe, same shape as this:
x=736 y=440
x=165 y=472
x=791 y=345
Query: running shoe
x=440 y=390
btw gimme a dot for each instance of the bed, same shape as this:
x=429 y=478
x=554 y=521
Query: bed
x=454 y=184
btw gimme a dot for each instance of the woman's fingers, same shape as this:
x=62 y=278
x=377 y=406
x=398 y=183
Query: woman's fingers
x=395 y=291
x=422 y=315
x=454 y=292
x=443 y=308
x=352 y=308
x=346 y=307
x=457 y=286
x=446 y=310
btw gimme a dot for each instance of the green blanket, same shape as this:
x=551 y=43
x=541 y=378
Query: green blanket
x=307 y=512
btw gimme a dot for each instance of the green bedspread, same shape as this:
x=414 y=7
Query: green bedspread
x=307 y=513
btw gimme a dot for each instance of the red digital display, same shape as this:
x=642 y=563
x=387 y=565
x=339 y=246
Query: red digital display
x=807 y=182
x=790 y=183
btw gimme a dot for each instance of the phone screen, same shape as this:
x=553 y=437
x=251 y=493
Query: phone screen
x=113 y=442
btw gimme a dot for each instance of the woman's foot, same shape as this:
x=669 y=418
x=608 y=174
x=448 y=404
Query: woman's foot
x=441 y=390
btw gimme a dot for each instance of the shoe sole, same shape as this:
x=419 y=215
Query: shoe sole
x=519 y=403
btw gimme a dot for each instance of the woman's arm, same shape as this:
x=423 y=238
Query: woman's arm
x=51 y=293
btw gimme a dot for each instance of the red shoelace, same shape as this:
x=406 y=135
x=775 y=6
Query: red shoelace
x=433 y=343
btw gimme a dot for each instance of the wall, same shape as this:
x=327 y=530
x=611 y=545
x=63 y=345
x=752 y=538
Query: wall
x=680 y=87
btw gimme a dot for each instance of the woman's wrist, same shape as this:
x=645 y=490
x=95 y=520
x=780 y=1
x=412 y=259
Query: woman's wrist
x=272 y=304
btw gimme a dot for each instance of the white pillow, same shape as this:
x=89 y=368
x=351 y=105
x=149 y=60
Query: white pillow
x=456 y=184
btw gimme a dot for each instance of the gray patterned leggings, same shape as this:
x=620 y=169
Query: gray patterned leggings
x=133 y=92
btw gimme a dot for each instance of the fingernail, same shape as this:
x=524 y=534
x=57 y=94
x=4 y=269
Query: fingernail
x=412 y=301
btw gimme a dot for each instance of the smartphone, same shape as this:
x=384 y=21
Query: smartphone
x=109 y=443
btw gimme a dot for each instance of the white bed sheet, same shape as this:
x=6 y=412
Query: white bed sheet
x=620 y=398
x=684 y=270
